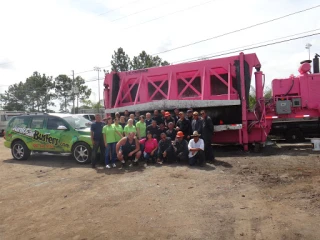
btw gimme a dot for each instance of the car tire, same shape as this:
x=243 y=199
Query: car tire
x=20 y=151
x=294 y=135
x=81 y=152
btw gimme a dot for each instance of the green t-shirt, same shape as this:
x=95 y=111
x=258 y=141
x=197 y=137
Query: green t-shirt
x=110 y=133
x=120 y=130
x=142 y=128
x=128 y=129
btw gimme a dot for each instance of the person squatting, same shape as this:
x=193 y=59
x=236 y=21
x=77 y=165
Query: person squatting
x=160 y=138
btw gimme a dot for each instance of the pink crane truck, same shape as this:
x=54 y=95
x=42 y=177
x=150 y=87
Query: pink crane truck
x=295 y=104
x=220 y=86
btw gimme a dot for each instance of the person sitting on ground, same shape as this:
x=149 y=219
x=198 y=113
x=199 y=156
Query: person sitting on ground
x=150 y=148
x=148 y=119
x=154 y=129
x=168 y=119
x=128 y=149
x=171 y=132
x=165 y=153
x=196 y=150
x=141 y=128
x=180 y=148
x=129 y=128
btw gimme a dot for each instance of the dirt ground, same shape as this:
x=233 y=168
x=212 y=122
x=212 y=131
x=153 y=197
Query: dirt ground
x=269 y=195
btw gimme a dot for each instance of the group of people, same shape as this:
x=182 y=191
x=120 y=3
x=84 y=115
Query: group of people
x=161 y=138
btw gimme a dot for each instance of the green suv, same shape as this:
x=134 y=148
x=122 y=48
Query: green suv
x=51 y=133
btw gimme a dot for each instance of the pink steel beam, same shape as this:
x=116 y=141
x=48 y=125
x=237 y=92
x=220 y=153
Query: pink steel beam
x=245 y=137
x=138 y=90
x=188 y=84
x=222 y=80
x=129 y=90
x=158 y=89
x=229 y=81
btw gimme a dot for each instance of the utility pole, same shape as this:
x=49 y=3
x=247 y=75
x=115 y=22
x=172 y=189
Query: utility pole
x=72 y=89
x=98 y=69
x=308 y=46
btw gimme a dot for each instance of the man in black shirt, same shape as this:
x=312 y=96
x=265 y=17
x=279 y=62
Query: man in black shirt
x=190 y=115
x=180 y=148
x=171 y=132
x=157 y=117
x=97 y=140
x=207 y=133
x=165 y=153
x=196 y=123
x=148 y=119
x=168 y=119
x=154 y=130
x=184 y=125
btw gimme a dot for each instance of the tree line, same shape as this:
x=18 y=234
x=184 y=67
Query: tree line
x=39 y=92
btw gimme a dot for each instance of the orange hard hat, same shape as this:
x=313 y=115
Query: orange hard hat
x=180 y=134
x=167 y=114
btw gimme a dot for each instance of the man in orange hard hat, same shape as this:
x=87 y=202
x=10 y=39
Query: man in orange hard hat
x=180 y=148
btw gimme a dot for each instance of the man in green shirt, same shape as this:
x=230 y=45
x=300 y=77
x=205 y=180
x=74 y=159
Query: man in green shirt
x=141 y=128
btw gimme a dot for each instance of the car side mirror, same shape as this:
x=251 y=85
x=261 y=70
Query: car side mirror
x=62 y=128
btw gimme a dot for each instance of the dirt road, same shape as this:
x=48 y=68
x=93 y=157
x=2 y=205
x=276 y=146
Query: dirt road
x=273 y=195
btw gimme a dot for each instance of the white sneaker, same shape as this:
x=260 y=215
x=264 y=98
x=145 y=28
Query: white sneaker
x=135 y=160
x=114 y=165
x=145 y=165
x=108 y=166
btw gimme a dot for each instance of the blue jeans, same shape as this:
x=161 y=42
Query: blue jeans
x=111 y=148
x=147 y=156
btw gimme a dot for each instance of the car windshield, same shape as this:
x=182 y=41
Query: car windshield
x=77 y=121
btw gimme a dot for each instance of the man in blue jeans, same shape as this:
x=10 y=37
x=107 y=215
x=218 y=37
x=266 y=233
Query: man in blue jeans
x=97 y=140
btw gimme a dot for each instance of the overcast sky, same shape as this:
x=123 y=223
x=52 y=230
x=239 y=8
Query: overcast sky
x=55 y=37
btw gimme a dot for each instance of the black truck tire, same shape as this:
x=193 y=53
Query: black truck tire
x=294 y=135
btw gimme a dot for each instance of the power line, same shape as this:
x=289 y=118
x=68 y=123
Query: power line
x=135 y=13
x=112 y=10
x=242 y=47
x=224 y=34
x=238 y=30
x=181 y=10
x=264 y=45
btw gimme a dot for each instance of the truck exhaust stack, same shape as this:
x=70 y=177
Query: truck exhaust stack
x=316 y=63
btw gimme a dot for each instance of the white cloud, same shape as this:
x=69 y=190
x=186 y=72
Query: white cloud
x=55 y=37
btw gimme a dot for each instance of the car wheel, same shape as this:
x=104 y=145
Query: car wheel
x=81 y=152
x=20 y=151
x=294 y=135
